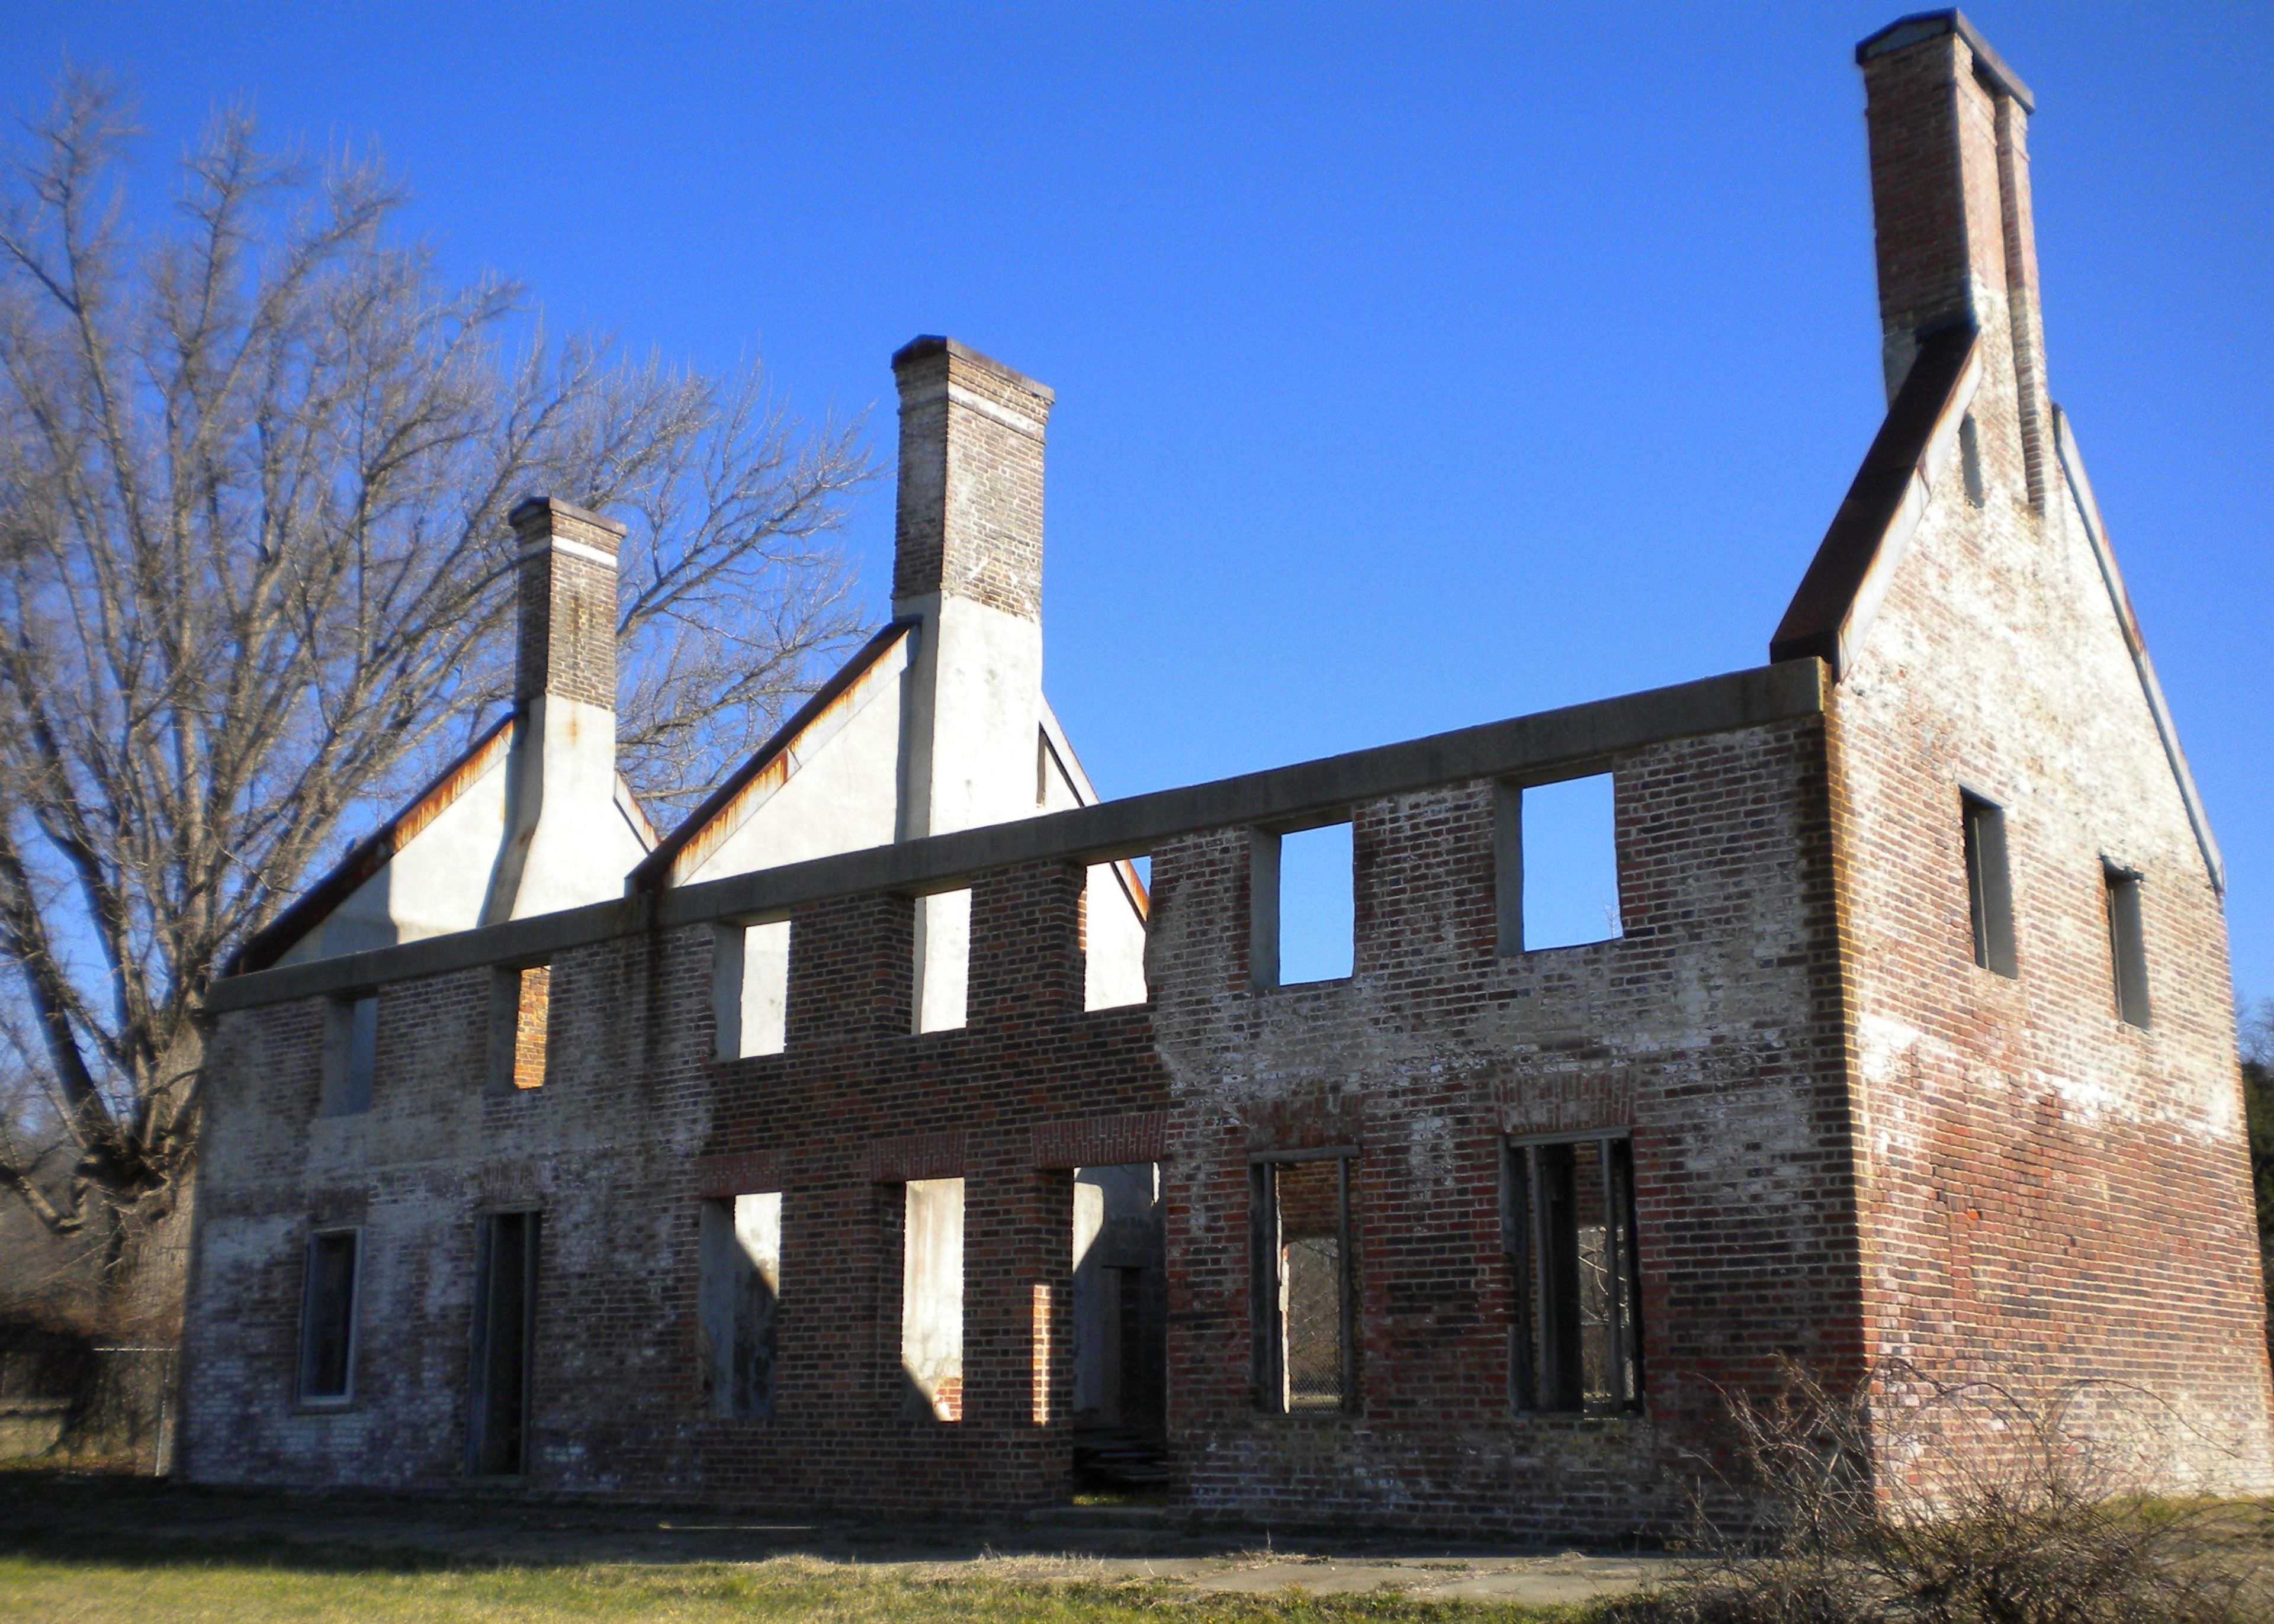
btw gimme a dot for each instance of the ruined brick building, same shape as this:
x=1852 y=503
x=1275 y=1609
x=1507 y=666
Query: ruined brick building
x=873 y=1136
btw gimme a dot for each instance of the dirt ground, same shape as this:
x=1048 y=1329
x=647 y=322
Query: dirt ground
x=57 y=1511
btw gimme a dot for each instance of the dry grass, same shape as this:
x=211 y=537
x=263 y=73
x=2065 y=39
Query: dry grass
x=1993 y=1508
x=270 y=1587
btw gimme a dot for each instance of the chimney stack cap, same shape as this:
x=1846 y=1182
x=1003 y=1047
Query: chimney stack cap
x=1921 y=26
x=550 y=515
x=925 y=346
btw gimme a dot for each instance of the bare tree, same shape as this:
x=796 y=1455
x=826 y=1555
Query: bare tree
x=255 y=579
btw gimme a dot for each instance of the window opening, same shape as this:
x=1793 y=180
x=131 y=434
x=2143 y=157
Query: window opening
x=1304 y=912
x=1120 y=1329
x=751 y=988
x=351 y=1055
x=931 y=1298
x=2128 y=954
x=740 y=1251
x=1576 y=1343
x=1303 y=1301
x=1989 y=886
x=1113 y=936
x=943 y=947
x=504 y=1335
x=327 y=1319
x=521 y=1007
x=1969 y=459
x=1556 y=853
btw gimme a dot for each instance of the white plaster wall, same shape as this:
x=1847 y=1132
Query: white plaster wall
x=579 y=847
x=432 y=886
x=842 y=797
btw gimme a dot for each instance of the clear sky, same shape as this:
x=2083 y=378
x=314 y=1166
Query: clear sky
x=1417 y=366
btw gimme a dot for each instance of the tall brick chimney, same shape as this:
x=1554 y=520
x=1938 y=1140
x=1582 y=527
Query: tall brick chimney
x=1950 y=198
x=567 y=841
x=568 y=590
x=968 y=567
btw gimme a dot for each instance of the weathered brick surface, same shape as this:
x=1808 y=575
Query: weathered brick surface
x=1850 y=1144
x=1712 y=1028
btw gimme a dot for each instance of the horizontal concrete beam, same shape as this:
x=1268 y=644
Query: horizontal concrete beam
x=1548 y=745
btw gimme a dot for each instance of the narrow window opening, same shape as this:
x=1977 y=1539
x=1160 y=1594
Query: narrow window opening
x=1304 y=917
x=521 y=1009
x=931 y=1298
x=1556 y=857
x=1303 y=1287
x=2128 y=954
x=1568 y=1214
x=736 y=1301
x=327 y=1319
x=504 y=1338
x=1989 y=886
x=1969 y=459
x=351 y=1055
x=943 y=949
x=1113 y=910
x=1120 y=1326
x=749 y=988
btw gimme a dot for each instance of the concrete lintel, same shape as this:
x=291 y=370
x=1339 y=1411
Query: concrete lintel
x=1537 y=749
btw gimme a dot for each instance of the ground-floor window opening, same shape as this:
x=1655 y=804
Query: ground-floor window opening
x=736 y=1301
x=1575 y=1344
x=1120 y=1330
x=504 y=1339
x=931 y=1298
x=1303 y=1299
x=327 y=1319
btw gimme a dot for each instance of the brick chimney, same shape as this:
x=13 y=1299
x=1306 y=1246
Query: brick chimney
x=1950 y=199
x=566 y=841
x=968 y=567
x=567 y=590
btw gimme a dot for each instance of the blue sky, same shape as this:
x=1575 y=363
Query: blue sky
x=1417 y=366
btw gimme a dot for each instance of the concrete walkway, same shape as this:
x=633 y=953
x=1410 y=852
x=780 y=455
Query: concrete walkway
x=1103 y=1545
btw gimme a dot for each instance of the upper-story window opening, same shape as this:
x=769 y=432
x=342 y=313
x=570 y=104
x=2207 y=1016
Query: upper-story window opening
x=1989 y=884
x=749 y=988
x=943 y=949
x=2127 y=951
x=351 y=1054
x=1557 y=864
x=1304 y=912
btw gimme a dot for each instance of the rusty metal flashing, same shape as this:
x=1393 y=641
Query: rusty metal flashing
x=2080 y=493
x=1524 y=746
x=684 y=851
x=370 y=854
x=1833 y=607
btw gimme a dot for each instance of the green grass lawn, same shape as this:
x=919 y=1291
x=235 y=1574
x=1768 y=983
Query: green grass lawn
x=256 y=1587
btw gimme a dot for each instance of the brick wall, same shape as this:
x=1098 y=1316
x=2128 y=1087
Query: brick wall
x=1712 y=1028
x=1706 y=1029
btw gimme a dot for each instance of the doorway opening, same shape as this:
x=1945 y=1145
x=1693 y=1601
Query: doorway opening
x=505 y=1316
x=1120 y=1333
